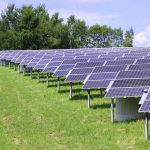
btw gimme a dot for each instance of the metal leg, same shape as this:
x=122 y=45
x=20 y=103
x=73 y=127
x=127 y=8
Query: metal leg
x=14 y=67
x=89 y=99
x=47 y=80
x=146 y=125
x=38 y=76
x=31 y=73
x=19 y=68
x=101 y=92
x=70 y=90
x=58 y=85
x=112 y=109
x=9 y=65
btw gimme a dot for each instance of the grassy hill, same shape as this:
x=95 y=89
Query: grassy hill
x=34 y=117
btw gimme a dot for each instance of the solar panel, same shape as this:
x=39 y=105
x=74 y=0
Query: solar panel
x=122 y=62
x=61 y=58
x=145 y=74
x=131 y=83
x=65 y=67
x=126 y=92
x=101 y=59
x=102 y=76
x=143 y=61
x=82 y=71
x=122 y=58
x=148 y=96
x=55 y=63
x=109 y=68
x=145 y=107
x=88 y=64
x=44 y=61
x=49 y=69
x=61 y=73
x=96 y=84
x=139 y=67
x=76 y=77
x=31 y=65
x=39 y=66
x=74 y=61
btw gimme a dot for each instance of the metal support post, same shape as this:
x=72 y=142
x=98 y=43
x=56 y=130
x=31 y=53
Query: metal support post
x=112 y=109
x=31 y=73
x=101 y=92
x=9 y=65
x=146 y=125
x=38 y=76
x=47 y=79
x=89 y=99
x=58 y=84
x=14 y=67
x=70 y=90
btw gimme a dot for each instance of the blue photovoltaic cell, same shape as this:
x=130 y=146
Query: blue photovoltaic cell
x=139 y=67
x=18 y=60
x=44 y=61
x=148 y=96
x=31 y=65
x=82 y=71
x=65 y=67
x=131 y=83
x=61 y=58
x=47 y=57
x=136 y=54
x=96 y=84
x=74 y=61
x=39 y=56
x=102 y=76
x=101 y=59
x=53 y=64
x=25 y=62
x=49 y=69
x=39 y=66
x=61 y=73
x=145 y=107
x=143 y=61
x=125 y=92
x=122 y=58
x=88 y=64
x=120 y=62
x=144 y=74
x=110 y=68
x=79 y=77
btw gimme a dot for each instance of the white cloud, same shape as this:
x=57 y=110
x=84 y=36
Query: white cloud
x=90 y=17
x=3 y=5
x=142 y=39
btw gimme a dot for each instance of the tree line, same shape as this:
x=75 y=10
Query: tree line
x=32 y=28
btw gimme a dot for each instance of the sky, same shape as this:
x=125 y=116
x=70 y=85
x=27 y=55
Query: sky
x=114 y=13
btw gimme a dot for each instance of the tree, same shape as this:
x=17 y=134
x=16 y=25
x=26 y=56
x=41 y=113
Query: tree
x=104 y=36
x=77 y=32
x=129 y=35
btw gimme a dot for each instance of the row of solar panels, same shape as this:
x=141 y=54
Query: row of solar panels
x=105 y=75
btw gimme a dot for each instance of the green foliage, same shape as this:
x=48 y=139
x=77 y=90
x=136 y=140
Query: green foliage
x=129 y=35
x=104 y=36
x=32 y=28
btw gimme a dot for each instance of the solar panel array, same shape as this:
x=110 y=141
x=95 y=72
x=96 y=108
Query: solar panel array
x=124 y=72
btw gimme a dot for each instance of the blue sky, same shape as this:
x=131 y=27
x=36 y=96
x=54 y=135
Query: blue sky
x=115 y=13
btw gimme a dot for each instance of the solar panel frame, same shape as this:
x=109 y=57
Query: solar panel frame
x=125 y=92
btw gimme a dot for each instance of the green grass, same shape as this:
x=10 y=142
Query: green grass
x=34 y=117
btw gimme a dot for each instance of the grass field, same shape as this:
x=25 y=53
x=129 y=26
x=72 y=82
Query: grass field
x=34 y=117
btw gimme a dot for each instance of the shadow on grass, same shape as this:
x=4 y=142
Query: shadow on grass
x=84 y=97
x=100 y=106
